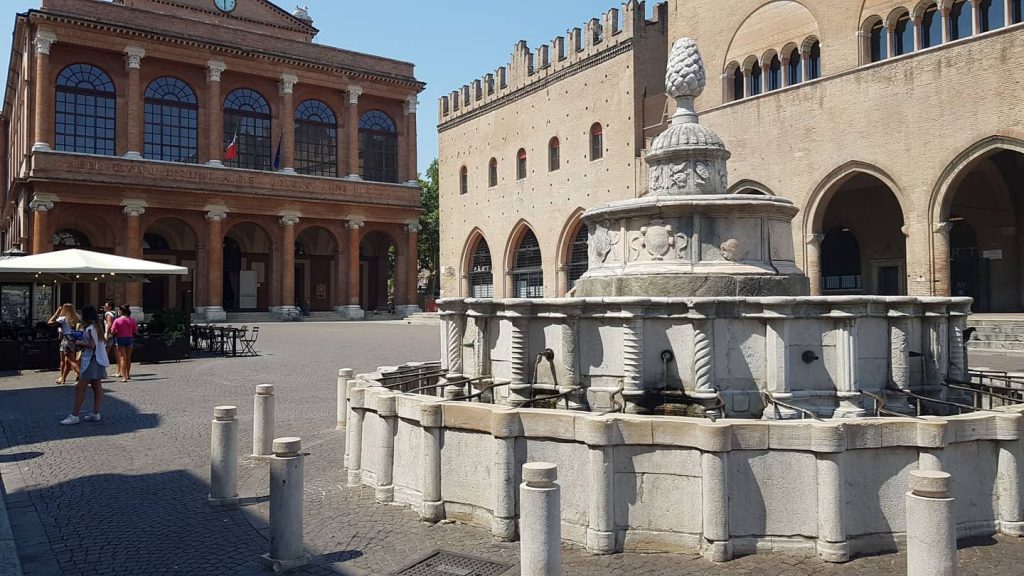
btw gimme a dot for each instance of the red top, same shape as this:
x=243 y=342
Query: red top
x=124 y=327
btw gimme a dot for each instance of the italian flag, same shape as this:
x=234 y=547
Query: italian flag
x=232 y=150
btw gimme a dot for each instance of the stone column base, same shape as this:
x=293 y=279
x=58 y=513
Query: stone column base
x=503 y=529
x=352 y=311
x=286 y=313
x=384 y=494
x=599 y=542
x=408 y=310
x=41 y=147
x=132 y=155
x=215 y=314
x=836 y=552
x=355 y=478
x=1015 y=529
x=716 y=551
x=432 y=512
x=282 y=565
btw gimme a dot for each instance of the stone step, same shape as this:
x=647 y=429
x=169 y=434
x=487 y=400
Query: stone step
x=979 y=323
x=996 y=345
x=251 y=317
x=997 y=336
x=1011 y=330
x=424 y=318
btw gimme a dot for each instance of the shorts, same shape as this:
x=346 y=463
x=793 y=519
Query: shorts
x=125 y=342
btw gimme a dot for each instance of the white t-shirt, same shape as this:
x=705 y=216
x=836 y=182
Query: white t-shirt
x=65 y=327
x=100 y=352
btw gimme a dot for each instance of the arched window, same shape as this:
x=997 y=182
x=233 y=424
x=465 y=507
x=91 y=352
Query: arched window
x=316 y=139
x=463 y=180
x=527 y=273
x=155 y=242
x=85 y=119
x=172 y=124
x=578 y=263
x=737 y=83
x=247 y=122
x=481 y=277
x=931 y=27
x=814 y=61
x=903 y=36
x=794 y=68
x=755 y=79
x=553 y=155
x=521 y=164
x=378 y=147
x=774 y=73
x=596 y=141
x=840 y=261
x=961 y=23
x=492 y=173
x=879 y=43
x=68 y=238
x=992 y=14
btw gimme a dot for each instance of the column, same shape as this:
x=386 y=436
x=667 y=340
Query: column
x=412 y=268
x=847 y=387
x=200 y=291
x=916 y=21
x=746 y=83
x=287 y=87
x=805 y=63
x=601 y=509
x=899 y=360
x=890 y=41
x=215 y=266
x=633 y=391
x=353 y=310
x=940 y=259
x=353 y=131
x=44 y=91
x=133 y=249
x=1009 y=471
x=431 y=421
x=410 y=139
x=42 y=240
x=777 y=372
x=341 y=278
x=215 y=122
x=703 y=326
x=133 y=56
x=714 y=466
x=570 y=374
x=976 y=16
x=832 y=543
x=455 y=330
x=945 y=24
x=813 y=264
x=1007 y=12
x=519 y=360
x=288 y=222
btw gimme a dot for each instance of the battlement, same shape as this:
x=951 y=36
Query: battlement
x=525 y=68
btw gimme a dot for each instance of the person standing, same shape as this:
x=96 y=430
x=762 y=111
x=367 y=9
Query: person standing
x=125 y=328
x=66 y=321
x=94 y=367
x=109 y=315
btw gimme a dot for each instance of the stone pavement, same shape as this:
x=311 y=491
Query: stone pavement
x=128 y=495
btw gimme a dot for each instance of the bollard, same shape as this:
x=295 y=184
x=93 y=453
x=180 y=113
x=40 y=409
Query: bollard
x=224 y=457
x=540 y=519
x=286 y=506
x=263 y=421
x=931 y=528
x=344 y=375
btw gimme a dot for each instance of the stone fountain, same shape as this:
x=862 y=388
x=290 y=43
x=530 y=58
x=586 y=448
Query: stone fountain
x=692 y=305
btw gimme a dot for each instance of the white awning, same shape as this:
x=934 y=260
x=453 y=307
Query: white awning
x=77 y=265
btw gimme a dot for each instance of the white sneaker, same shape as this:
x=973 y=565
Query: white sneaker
x=72 y=419
x=92 y=417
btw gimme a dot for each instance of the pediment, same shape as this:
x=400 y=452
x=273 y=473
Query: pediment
x=246 y=14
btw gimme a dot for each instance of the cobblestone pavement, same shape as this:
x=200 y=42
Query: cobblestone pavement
x=128 y=495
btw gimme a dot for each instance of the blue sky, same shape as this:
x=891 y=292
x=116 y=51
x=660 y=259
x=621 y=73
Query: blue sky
x=451 y=42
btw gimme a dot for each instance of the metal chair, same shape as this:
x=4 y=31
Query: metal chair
x=248 y=344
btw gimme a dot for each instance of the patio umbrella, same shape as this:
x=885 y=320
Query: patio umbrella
x=77 y=265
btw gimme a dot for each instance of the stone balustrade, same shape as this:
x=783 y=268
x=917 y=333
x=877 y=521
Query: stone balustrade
x=815 y=353
x=672 y=484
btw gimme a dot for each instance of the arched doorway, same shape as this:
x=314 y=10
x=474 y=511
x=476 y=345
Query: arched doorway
x=378 y=254
x=170 y=241
x=316 y=253
x=78 y=293
x=863 y=250
x=247 y=268
x=983 y=209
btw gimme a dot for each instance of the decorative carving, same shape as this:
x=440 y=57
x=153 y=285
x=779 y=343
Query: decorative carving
x=216 y=215
x=287 y=83
x=702 y=360
x=355 y=222
x=214 y=68
x=602 y=240
x=411 y=103
x=728 y=249
x=455 y=332
x=289 y=220
x=44 y=39
x=40 y=205
x=519 y=361
x=701 y=176
x=685 y=76
x=633 y=354
x=413 y=227
x=133 y=56
x=657 y=239
x=354 y=92
x=682 y=243
x=134 y=210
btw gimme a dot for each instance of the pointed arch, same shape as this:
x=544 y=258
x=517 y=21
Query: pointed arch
x=523 y=263
x=477 y=266
x=945 y=187
x=567 y=265
x=748 y=186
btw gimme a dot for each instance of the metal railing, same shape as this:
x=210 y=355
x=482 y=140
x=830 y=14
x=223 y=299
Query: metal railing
x=880 y=409
x=776 y=404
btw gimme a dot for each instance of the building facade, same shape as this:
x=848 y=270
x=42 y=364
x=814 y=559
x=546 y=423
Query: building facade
x=217 y=136
x=892 y=124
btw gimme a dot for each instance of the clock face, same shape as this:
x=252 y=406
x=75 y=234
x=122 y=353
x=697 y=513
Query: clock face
x=225 y=5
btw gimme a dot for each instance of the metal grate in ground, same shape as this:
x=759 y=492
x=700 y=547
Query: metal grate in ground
x=444 y=563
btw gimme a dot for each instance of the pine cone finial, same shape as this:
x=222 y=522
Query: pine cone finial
x=685 y=76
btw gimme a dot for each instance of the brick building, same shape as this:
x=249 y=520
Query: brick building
x=893 y=124
x=215 y=135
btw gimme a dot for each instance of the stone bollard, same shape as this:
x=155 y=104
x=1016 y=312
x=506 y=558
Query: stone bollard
x=540 y=518
x=931 y=528
x=224 y=457
x=263 y=421
x=286 y=506
x=344 y=375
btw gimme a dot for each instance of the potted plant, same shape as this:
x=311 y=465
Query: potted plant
x=167 y=335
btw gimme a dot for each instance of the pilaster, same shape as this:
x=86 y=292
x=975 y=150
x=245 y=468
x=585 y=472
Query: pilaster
x=354 y=92
x=133 y=56
x=44 y=91
x=214 y=68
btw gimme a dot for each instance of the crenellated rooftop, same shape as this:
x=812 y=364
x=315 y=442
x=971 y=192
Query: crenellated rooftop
x=598 y=37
